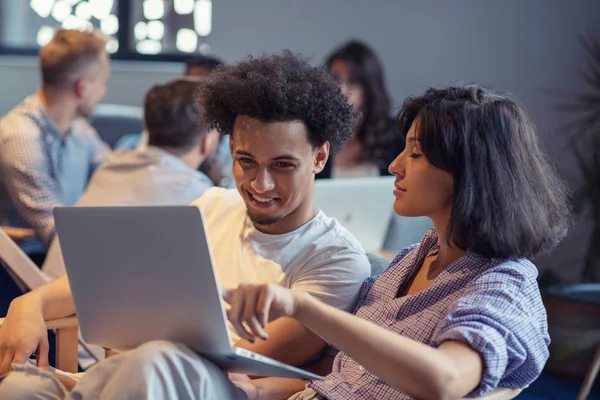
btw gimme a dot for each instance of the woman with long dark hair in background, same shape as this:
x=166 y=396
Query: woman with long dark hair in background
x=376 y=141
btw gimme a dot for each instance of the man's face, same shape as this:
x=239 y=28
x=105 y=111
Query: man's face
x=92 y=88
x=274 y=166
x=198 y=71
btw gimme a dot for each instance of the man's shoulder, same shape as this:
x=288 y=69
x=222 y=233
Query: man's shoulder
x=335 y=235
x=20 y=124
x=333 y=247
x=219 y=198
x=82 y=129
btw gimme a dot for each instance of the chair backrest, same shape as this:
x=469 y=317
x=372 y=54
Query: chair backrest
x=113 y=121
x=19 y=265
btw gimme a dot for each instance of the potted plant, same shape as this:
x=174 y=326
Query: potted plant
x=574 y=309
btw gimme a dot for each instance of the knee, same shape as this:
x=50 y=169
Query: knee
x=31 y=384
x=154 y=352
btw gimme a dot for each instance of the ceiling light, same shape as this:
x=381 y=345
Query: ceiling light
x=109 y=25
x=112 y=46
x=61 y=10
x=148 y=47
x=42 y=7
x=156 y=30
x=83 y=11
x=183 y=6
x=140 y=31
x=101 y=8
x=187 y=40
x=203 y=17
x=44 y=35
x=154 y=9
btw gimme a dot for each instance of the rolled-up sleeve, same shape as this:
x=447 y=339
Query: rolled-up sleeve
x=501 y=317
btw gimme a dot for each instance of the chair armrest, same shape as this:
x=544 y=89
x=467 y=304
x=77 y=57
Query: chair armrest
x=18 y=234
x=67 y=335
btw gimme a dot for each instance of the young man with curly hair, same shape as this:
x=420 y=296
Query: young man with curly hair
x=285 y=118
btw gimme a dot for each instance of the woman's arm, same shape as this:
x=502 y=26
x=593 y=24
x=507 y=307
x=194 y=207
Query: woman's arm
x=448 y=372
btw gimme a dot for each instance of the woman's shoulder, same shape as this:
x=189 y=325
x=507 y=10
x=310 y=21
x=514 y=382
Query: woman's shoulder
x=514 y=275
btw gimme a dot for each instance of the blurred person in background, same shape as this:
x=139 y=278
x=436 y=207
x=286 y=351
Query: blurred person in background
x=375 y=141
x=165 y=172
x=48 y=150
x=218 y=166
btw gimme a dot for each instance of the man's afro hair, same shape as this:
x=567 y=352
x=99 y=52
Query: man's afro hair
x=278 y=88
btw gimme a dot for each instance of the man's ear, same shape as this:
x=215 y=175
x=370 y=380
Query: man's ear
x=321 y=157
x=79 y=87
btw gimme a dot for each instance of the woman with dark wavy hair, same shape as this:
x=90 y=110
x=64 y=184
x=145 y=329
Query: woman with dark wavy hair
x=460 y=313
x=376 y=141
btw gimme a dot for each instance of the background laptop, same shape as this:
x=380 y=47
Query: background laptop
x=145 y=273
x=364 y=206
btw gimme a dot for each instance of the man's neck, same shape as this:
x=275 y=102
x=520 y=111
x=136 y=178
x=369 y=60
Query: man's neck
x=58 y=109
x=299 y=217
x=191 y=158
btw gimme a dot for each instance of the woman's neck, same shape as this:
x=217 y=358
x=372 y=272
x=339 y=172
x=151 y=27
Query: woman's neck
x=448 y=252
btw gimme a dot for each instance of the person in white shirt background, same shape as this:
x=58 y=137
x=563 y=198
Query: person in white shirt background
x=165 y=172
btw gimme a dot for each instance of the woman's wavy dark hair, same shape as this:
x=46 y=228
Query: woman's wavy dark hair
x=508 y=200
x=376 y=132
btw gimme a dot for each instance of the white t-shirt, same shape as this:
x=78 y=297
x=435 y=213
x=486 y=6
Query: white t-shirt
x=321 y=257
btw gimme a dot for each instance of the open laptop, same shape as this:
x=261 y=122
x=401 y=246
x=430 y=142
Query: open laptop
x=146 y=273
x=364 y=206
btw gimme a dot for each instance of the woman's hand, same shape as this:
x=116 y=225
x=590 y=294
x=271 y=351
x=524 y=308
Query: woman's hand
x=254 y=306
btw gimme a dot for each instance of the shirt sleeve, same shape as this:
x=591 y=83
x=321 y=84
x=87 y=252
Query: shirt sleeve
x=30 y=187
x=502 y=317
x=335 y=278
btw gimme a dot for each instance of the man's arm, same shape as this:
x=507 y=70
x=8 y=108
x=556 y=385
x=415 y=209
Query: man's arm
x=289 y=342
x=24 y=168
x=335 y=280
x=24 y=329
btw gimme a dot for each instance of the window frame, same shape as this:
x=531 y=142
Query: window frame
x=123 y=36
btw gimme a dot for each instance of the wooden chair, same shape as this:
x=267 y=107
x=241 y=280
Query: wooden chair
x=28 y=277
x=67 y=334
x=66 y=354
x=18 y=234
x=590 y=377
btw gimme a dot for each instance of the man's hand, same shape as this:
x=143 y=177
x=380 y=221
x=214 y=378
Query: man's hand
x=253 y=306
x=22 y=334
x=246 y=384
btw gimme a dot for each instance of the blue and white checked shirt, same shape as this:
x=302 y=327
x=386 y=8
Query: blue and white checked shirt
x=41 y=168
x=492 y=305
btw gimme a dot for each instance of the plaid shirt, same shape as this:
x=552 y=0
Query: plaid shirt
x=41 y=168
x=492 y=305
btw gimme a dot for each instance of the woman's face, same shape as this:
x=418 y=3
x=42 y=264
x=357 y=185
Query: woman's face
x=340 y=70
x=420 y=188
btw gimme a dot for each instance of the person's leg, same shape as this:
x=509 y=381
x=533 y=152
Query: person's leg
x=157 y=370
x=29 y=382
x=307 y=394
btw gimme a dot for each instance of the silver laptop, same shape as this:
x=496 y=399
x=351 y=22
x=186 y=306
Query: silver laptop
x=146 y=273
x=364 y=206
